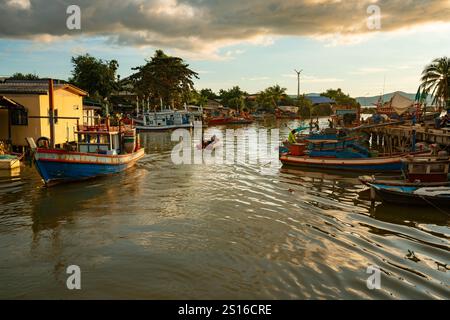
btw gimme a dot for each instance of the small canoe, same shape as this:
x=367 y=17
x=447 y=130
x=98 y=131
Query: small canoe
x=210 y=145
x=413 y=196
x=400 y=181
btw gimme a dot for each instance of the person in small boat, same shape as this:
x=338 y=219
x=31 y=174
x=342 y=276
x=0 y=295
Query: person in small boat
x=208 y=142
x=291 y=138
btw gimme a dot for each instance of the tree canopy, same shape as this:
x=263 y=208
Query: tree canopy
x=164 y=77
x=272 y=97
x=96 y=76
x=340 y=97
x=21 y=76
x=233 y=98
x=208 y=93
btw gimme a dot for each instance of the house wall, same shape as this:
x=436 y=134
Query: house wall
x=67 y=103
x=19 y=133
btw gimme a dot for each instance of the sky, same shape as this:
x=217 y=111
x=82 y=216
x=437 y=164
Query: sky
x=364 y=47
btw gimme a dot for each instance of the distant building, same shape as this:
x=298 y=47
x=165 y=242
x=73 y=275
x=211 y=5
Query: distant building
x=315 y=100
x=214 y=108
x=29 y=118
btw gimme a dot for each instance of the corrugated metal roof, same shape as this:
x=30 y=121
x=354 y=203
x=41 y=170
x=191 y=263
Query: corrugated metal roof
x=33 y=87
x=319 y=99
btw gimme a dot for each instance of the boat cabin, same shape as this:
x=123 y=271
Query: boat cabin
x=166 y=118
x=427 y=169
x=102 y=139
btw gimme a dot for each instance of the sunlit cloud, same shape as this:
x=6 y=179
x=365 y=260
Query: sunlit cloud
x=202 y=29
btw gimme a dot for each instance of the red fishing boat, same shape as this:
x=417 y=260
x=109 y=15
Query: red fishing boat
x=223 y=120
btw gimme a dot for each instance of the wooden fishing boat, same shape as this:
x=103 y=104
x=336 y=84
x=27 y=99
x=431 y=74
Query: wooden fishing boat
x=100 y=150
x=287 y=112
x=418 y=171
x=339 y=151
x=378 y=164
x=9 y=162
x=164 y=120
x=228 y=120
x=427 y=169
x=437 y=196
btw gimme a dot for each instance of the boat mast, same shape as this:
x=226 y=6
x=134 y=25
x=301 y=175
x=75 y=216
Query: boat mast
x=52 y=113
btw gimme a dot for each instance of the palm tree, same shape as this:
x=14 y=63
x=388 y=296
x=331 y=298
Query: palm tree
x=436 y=80
x=263 y=99
x=276 y=93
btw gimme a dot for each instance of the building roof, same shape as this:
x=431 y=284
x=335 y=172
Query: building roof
x=36 y=87
x=320 y=99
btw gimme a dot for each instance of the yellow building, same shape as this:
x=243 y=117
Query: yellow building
x=32 y=120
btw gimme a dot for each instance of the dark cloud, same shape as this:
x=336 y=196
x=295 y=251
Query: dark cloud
x=197 y=25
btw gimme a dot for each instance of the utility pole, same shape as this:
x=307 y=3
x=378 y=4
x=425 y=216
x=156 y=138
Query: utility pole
x=298 y=83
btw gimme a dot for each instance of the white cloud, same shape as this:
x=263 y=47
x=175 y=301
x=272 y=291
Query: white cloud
x=255 y=78
x=202 y=28
x=312 y=79
x=19 y=4
x=368 y=70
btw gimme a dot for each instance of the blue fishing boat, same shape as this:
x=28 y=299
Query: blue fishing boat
x=99 y=151
x=338 y=151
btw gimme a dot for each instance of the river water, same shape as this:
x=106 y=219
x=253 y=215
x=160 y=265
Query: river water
x=166 y=231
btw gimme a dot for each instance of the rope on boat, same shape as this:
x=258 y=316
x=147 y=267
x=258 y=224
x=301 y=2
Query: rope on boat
x=436 y=207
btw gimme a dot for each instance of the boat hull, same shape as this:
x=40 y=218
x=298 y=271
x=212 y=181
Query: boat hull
x=57 y=166
x=162 y=128
x=393 y=164
x=408 y=198
x=9 y=164
x=224 y=121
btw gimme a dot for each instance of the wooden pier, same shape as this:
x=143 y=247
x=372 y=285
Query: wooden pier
x=400 y=137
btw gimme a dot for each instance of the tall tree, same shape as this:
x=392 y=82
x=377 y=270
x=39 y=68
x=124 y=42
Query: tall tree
x=208 y=93
x=96 y=76
x=340 y=97
x=233 y=98
x=165 y=77
x=21 y=76
x=198 y=99
x=436 y=81
x=305 y=106
x=276 y=94
x=264 y=100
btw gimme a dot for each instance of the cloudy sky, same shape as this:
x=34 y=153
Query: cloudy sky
x=251 y=43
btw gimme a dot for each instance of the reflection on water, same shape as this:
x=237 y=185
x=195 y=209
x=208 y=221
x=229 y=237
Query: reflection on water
x=165 y=231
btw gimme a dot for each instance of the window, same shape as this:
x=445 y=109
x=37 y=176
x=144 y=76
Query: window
x=55 y=116
x=19 y=117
